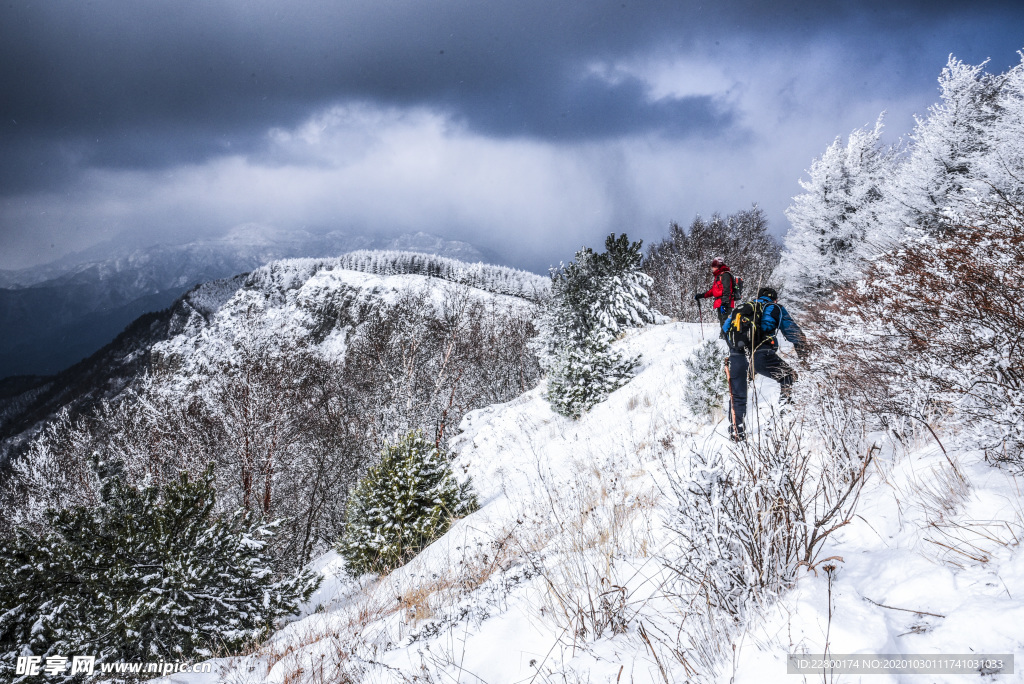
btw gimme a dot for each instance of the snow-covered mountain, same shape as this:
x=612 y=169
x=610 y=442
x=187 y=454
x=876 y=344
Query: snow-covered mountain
x=57 y=314
x=314 y=303
x=874 y=521
x=565 y=573
x=571 y=569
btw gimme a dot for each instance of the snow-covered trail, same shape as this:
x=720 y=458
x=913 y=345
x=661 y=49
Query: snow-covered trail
x=560 y=576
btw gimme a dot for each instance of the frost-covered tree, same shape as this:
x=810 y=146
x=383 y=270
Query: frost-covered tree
x=862 y=198
x=146 y=574
x=1003 y=166
x=405 y=502
x=593 y=299
x=941 y=170
x=834 y=222
x=705 y=381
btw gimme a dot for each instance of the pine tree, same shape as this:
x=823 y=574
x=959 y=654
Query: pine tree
x=405 y=502
x=146 y=575
x=587 y=373
x=705 y=382
x=593 y=299
x=834 y=219
x=941 y=170
x=626 y=302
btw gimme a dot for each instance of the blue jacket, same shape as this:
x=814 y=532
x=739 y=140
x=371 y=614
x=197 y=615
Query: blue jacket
x=773 y=319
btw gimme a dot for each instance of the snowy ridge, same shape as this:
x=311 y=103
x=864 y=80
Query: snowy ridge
x=287 y=274
x=60 y=313
x=563 y=574
x=305 y=302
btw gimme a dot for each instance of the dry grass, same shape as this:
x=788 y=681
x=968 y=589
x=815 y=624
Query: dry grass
x=941 y=495
x=593 y=526
x=638 y=400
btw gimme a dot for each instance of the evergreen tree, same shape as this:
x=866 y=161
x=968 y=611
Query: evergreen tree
x=626 y=302
x=146 y=575
x=587 y=373
x=593 y=299
x=834 y=219
x=941 y=171
x=705 y=383
x=405 y=502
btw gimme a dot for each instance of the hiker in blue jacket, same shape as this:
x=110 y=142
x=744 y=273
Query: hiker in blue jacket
x=750 y=333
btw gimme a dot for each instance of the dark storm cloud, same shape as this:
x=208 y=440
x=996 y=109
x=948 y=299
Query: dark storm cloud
x=591 y=108
x=142 y=84
x=500 y=122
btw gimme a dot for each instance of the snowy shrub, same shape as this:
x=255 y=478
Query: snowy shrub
x=593 y=299
x=956 y=349
x=706 y=382
x=405 y=502
x=145 y=575
x=587 y=529
x=749 y=519
x=678 y=265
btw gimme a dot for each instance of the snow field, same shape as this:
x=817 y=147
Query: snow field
x=561 y=575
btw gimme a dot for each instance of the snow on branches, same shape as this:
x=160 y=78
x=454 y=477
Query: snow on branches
x=146 y=573
x=593 y=299
x=936 y=327
x=862 y=198
x=403 y=504
x=833 y=220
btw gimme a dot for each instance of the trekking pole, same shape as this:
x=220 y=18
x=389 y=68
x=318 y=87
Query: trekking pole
x=700 y=317
x=732 y=400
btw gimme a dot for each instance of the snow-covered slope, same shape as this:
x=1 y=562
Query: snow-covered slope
x=318 y=301
x=562 y=575
x=315 y=302
x=56 y=314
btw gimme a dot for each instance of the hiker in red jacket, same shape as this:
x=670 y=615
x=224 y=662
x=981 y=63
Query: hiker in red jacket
x=721 y=290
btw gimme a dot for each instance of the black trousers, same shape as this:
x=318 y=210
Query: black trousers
x=766 y=362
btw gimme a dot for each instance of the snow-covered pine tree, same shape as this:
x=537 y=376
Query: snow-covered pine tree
x=147 y=574
x=941 y=170
x=833 y=222
x=405 y=502
x=587 y=373
x=593 y=299
x=627 y=303
x=705 y=382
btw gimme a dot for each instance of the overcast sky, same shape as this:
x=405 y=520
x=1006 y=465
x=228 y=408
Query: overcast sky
x=526 y=127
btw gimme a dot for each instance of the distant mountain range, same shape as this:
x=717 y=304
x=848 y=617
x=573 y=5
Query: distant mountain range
x=310 y=298
x=58 y=314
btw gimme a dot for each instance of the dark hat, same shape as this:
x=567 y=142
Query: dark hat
x=768 y=292
x=717 y=262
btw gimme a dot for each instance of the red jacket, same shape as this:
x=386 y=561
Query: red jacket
x=722 y=289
